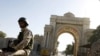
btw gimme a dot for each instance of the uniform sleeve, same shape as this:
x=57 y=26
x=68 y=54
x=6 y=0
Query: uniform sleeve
x=26 y=39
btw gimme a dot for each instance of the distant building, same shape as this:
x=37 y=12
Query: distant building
x=4 y=42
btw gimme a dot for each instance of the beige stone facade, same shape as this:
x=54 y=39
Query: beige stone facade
x=76 y=26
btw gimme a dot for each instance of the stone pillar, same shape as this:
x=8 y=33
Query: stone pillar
x=47 y=35
x=47 y=40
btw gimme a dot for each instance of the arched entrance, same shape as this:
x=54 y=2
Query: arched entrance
x=65 y=44
x=72 y=31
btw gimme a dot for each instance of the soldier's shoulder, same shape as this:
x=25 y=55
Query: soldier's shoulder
x=29 y=31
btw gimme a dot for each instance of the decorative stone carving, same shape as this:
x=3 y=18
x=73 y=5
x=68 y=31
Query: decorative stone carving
x=69 y=14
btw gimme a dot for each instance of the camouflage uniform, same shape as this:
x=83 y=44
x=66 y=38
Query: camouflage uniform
x=23 y=44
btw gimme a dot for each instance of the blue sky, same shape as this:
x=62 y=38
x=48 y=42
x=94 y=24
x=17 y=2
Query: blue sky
x=38 y=13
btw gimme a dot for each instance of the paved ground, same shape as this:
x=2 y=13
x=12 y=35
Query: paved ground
x=34 y=54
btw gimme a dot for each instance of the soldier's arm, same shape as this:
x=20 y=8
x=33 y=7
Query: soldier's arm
x=26 y=39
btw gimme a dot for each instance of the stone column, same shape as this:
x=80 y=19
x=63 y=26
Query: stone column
x=45 y=42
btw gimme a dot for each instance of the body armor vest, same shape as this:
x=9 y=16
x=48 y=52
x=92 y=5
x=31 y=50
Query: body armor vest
x=20 y=38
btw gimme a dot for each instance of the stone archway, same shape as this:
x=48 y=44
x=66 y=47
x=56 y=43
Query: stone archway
x=72 y=31
x=67 y=23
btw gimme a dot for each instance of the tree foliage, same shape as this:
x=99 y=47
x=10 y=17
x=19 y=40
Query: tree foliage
x=2 y=34
x=69 y=49
x=95 y=36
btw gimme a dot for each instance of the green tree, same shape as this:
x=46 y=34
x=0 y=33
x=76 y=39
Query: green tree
x=95 y=36
x=2 y=34
x=69 y=49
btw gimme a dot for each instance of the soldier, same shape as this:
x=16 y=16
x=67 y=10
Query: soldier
x=24 y=43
